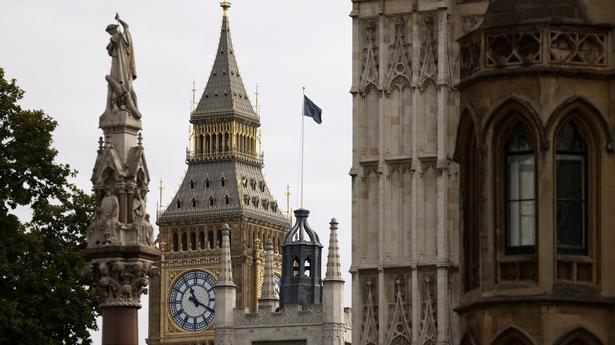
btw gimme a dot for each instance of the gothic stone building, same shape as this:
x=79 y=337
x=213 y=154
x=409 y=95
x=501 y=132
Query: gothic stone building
x=535 y=144
x=308 y=310
x=224 y=184
x=405 y=195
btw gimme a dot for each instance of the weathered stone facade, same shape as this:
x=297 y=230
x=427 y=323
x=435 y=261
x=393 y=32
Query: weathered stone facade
x=537 y=177
x=405 y=185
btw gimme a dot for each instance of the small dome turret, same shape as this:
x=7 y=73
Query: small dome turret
x=301 y=269
x=301 y=232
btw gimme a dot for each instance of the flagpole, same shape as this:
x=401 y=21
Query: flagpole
x=302 y=130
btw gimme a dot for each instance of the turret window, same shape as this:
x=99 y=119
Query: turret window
x=227 y=200
x=307 y=267
x=193 y=202
x=295 y=267
x=520 y=192
x=191 y=184
x=571 y=191
x=222 y=182
x=178 y=204
x=211 y=201
x=207 y=183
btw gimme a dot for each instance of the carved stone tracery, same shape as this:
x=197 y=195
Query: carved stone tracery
x=369 y=75
x=400 y=70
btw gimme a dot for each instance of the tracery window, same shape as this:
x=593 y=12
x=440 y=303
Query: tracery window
x=307 y=267
x=520 y=192
x=571 y=184
x=295 y=267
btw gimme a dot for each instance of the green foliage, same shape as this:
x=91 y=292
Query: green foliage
x=43 y=299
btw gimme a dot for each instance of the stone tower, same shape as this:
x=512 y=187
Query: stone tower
x=301 y=269
x=537 y=171
x=223 y=184
x=120 y=247
x=405 y=231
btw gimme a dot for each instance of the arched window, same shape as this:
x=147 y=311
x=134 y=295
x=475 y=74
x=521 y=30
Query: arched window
x=579 y=336
x=226 y=141
x=178 y=204
x=520 y=192
x=199 y=147
x=571 y=184
x=211 y=201
x=201 y=239
x=191 y=184
x=184 y=241
x=307 y=267
x=213 y=142
x=210 y=239
x=227 y=199
x=207 y=144
x=295 y=267
x=512 y=336
x=219 y=234
x=469 y=164
x=175 y=242
x=222 y=181
x=207 y=183
x=193 y=202
x=192 y=240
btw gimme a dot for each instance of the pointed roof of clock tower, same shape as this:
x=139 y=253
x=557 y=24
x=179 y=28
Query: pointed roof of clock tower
x=224 y=94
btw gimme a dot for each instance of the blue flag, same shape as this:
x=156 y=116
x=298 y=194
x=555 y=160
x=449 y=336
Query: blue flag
x=311 y=110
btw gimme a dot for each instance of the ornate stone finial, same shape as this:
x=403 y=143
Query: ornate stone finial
x=226 y=268
x=269 y=298
x=140 y=140
x=120 y=94
x=334 y=270
x=101 y=145
x=225 y=6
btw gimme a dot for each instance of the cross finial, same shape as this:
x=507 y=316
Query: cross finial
x=140 y=139
x=225 y=4
x=100 y=144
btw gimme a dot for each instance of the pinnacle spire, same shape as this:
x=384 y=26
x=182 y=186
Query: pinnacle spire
x=226 y=268
x=224 y=94
x=269 y=298
x=334 y=271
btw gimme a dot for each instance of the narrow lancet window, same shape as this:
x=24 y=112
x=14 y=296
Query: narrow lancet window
x=571 y=179
x=520 y=192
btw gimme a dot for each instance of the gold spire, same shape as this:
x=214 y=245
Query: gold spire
x=225 y=4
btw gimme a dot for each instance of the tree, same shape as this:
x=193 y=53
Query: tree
x=43 y=298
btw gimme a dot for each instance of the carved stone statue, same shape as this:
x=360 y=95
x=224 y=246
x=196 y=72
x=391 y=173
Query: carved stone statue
x=109 y=216
x=121 y=95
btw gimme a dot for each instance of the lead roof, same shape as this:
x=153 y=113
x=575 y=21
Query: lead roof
x=224 y=93
x=245 y=186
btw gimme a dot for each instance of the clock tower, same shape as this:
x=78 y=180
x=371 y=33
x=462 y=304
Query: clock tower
x=223 y=184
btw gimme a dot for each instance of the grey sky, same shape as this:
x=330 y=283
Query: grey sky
x=56 y=51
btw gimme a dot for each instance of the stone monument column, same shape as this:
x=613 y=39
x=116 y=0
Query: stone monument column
x=120 y=247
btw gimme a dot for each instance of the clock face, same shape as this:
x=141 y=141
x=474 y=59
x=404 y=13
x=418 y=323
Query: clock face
x=277 y=282
x=192 y=300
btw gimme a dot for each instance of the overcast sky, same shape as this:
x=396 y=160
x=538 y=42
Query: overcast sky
x=56 y=51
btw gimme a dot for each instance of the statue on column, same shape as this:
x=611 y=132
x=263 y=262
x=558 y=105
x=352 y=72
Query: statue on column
x=121 y=95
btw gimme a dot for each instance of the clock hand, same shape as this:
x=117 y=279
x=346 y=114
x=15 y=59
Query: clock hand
x=194 y=300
